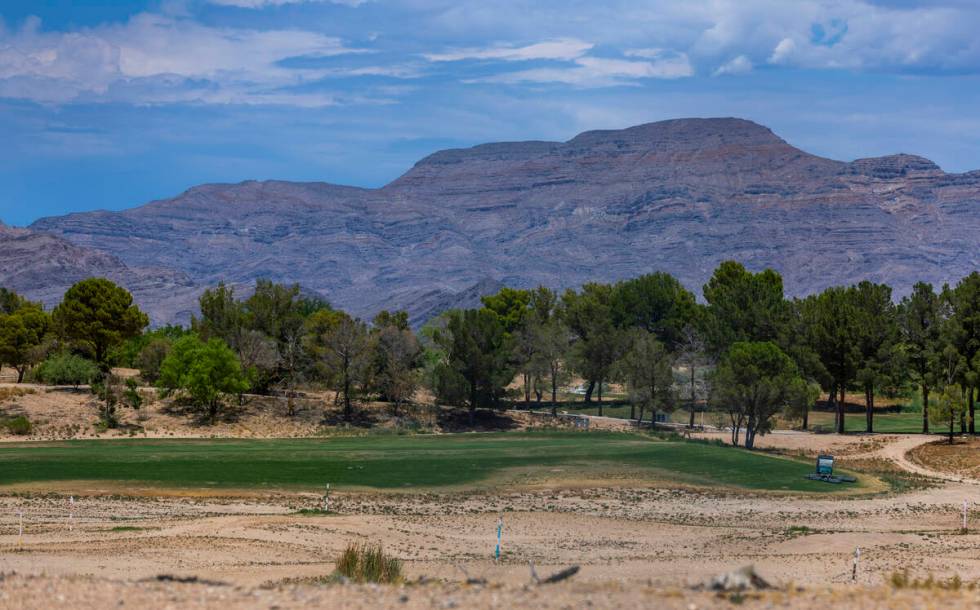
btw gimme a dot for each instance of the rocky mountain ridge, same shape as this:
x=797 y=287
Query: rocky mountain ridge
x=678 y=196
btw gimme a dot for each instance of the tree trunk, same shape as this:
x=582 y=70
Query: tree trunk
x=554 y=394
x=840 y=409
x=599 y=396
x=472 y=404
x=653 y=418
x=347 y=408
x=693 y=397
x=632 y=411
x=589 y=390
x=869 y=403
x=832 y=400
x=925 y=409
x=972 y=427
x=952 y=420
x=23 y=369
x=806 y=416
x=527 y=391
x=639 y=422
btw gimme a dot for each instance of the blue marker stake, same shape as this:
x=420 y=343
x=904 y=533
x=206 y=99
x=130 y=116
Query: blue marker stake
x=500 y=529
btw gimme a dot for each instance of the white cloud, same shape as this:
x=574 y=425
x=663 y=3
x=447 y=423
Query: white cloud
x=783 y=51
x=561 y=49
x=154 y=58
x=600 y=72
x=738 y=65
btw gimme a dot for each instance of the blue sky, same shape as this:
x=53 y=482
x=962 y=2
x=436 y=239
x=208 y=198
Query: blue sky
x=107 y=105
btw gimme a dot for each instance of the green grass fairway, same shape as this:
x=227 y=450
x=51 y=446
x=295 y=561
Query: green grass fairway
x=396 y=462
x=897 y=423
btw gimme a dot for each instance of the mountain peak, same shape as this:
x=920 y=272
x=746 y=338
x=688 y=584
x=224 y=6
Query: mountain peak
x=676 y=196
x=682 y=134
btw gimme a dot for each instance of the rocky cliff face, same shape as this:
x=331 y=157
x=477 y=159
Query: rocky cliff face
x=678 y=196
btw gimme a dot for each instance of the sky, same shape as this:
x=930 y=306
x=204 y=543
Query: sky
x=111 y=104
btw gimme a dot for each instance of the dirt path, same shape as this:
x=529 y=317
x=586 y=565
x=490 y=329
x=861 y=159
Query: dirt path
x=898 y=453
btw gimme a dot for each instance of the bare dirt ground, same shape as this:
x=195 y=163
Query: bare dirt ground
x=68 y=413
x=637 y=545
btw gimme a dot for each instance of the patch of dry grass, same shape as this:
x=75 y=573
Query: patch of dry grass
x=364 y=563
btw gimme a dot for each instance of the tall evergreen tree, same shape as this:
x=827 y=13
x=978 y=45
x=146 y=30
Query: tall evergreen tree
x=920 y=320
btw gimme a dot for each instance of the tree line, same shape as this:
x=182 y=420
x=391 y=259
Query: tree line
x=745 y=350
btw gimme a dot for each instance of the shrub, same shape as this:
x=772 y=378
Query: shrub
x=363 y=563
x=20 y=425
x=151 y=357
x=67 y=369
x=206 y=372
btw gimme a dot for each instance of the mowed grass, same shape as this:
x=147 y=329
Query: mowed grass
x=397 y=462
x=896 y=423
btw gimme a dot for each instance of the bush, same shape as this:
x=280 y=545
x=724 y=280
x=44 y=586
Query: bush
x=151 y=357
x=362 y=563
x=20 y=425
x=67 y=369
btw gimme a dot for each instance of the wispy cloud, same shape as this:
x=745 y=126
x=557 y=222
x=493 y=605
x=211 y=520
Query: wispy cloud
x=158 y=59
x=257 y=4
x=737 y=65
x=599 y=72
x=563 y=49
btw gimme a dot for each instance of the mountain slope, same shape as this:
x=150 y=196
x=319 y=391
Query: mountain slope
x=678 y=196
x=42 y=266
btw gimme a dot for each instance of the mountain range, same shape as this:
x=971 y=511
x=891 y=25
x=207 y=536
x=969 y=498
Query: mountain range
x=677 y=196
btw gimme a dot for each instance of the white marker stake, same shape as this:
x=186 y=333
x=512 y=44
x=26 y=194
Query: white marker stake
x=326 y=500
x=857 y=556
x=71 y=513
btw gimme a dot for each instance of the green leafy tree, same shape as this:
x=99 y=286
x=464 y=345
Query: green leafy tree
x=151 y=357
x=754 y=381
x=962 y=330
x=921 y=317
x=22 y=333
x=478 y=350
x=511 y=306
x=831 y=321
x=539 y=312
x=657 y=303
x=132 y=396
x=692 y=354
x=397 y=354
x=882 y=361
x=67 y=369
x=10 y=301
x=597 y=342
x=743 y=306
x=97 y=315
x=396 y=319
x=127 y=354
x=950 y=408
x=341 y=347
x=647 y=368
x=205 y=372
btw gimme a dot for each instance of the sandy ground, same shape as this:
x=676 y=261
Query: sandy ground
x=67 y=413
x=636 y=545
